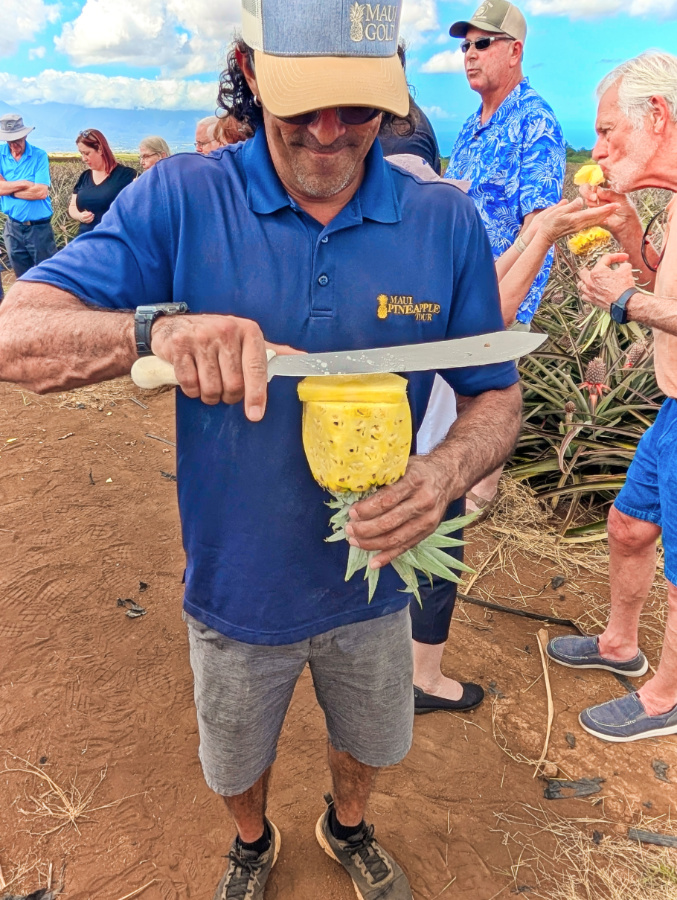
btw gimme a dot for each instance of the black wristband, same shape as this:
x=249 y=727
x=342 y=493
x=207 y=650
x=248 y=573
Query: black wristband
x=144 y=317
x=618 y=310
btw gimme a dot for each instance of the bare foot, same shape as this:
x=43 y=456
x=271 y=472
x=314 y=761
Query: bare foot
x=441 y=687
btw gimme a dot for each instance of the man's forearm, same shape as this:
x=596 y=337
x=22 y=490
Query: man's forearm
x=481 y=439
x=654 y=312
x=50 y=341
x=34 y=192
x=9 y=188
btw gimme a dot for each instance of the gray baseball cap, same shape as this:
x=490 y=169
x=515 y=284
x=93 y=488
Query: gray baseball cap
x=497 y=16
x=12 y=128
x=315 y=55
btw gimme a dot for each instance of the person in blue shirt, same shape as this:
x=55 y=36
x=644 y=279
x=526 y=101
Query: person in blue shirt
x=299 y=233
x=512 y=149
x=24 y=197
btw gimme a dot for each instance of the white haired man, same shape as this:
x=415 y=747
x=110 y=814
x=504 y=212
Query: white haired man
x=205 y=141
x=636 y=148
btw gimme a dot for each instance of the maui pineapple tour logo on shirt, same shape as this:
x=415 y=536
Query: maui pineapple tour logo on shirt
x=372 y=22
x=402 y=305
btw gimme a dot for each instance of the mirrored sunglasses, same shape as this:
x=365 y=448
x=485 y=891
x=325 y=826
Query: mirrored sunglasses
x=483 y=43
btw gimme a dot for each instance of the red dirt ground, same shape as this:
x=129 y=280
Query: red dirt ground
x=88 y=690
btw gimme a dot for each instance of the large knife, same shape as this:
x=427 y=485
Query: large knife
x=482 y=350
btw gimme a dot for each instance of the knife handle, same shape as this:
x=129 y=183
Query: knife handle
x=152 y=372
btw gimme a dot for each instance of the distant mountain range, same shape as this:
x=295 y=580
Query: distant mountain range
x=58 y=124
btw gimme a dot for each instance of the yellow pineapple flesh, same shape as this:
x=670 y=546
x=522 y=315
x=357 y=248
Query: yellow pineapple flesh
x=356 y=430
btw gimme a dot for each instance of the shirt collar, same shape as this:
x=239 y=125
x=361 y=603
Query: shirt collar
x=375 y=199
x=510 y=101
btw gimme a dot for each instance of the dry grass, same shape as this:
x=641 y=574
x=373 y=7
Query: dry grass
x=520 y=529
x=584 y=859
x=54 y=805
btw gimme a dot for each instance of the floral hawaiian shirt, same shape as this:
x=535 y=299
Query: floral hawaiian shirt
x=515 y=163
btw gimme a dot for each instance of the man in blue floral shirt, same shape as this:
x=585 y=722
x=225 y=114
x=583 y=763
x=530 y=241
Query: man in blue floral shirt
x=512 y=149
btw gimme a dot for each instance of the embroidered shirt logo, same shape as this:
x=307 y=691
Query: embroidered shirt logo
x=372 y=22
x=401 y=305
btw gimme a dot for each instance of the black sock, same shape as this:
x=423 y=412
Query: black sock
x=262 y=844
x=342 y=832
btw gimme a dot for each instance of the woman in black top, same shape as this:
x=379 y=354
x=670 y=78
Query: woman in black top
x=100 y=183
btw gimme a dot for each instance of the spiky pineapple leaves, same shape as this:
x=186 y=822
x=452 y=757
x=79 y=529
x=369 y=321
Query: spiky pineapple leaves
x=427 y=556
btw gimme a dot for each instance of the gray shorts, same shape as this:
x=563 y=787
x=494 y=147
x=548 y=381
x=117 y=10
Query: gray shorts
x=362 y=675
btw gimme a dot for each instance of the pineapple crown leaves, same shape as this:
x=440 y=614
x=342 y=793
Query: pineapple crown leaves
x=357 y=12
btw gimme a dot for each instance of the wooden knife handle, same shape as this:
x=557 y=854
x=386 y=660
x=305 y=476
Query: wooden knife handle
x=152 y=372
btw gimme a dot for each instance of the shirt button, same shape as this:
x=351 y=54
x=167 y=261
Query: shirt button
x=324 y=240
x=323 y=280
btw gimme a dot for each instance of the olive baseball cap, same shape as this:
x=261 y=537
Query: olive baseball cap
x=312 y=55
x=496 y=16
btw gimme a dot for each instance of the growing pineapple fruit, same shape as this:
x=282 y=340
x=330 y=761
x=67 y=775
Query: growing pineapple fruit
x=595 y=376
x=357 y=437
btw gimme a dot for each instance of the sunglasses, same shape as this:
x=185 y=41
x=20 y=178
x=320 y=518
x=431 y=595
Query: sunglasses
x=482 y=43
x=347 y=115
x=654 y=240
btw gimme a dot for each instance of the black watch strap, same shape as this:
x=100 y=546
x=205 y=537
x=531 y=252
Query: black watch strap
x=619 y=312
x=144 y=316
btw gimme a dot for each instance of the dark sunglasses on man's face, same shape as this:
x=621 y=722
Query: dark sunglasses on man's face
x=482 y=43
x=347 y=115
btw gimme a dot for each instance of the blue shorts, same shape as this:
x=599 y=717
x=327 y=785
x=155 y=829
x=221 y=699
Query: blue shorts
x=650 y=492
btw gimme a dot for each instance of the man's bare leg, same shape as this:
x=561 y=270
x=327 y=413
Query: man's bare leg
x=659 y=694
x=428 y=673
x=632 y=568
x=248 y=809
x=352 y=783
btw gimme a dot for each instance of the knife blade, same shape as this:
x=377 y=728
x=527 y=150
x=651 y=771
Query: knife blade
x=481 y=350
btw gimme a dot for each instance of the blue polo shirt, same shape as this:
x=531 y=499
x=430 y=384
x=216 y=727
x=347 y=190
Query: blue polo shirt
x=32 y=166
x=221 y=233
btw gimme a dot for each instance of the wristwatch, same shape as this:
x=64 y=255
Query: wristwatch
x=143 y=322
x=618 y=310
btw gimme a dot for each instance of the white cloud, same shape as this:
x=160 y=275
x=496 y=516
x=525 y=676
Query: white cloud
x=594 y=8
x=436 y=112
x=447 y=61
x=181 y=36
x=22 y=20
x=37 y=53
x=96 y=91
x=419 y=17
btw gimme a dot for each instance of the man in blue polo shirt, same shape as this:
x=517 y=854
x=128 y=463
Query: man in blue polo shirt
x=24 y=197
x=299 y=234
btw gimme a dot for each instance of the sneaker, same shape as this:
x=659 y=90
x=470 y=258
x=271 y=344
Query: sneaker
x=375 y=874
x=583 y=653
x=248 y=871
x=625 y=720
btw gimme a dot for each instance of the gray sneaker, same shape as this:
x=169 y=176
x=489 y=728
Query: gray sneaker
x=375 y=874
x=247 y=872
x=582 y=652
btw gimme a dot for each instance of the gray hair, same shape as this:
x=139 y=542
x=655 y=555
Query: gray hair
x=156 y=145
x=651 y=74
x=210 y=123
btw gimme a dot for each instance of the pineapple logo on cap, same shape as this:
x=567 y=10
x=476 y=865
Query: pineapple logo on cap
x=372 y=22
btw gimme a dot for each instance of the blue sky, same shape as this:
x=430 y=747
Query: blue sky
x=166 y=54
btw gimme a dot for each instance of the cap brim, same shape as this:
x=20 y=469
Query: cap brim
x=291 y=85
x=16 y=135
x=460 y=29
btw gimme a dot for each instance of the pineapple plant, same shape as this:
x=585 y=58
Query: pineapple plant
x=357 y=437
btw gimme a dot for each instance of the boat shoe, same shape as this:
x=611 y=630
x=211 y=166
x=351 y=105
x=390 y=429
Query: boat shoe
x=626 y=719
x=582 y=652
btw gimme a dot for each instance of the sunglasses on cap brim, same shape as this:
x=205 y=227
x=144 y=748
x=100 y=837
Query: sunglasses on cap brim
x=347 y=115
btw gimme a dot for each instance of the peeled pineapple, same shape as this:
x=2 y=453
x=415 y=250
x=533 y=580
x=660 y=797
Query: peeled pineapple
x=590 y=174
x=356 y=429
x=357 y=437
